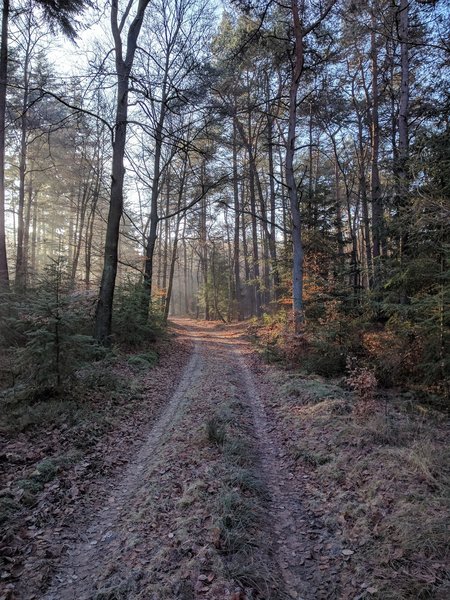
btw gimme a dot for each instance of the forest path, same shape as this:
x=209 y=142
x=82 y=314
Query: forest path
x=128 y=535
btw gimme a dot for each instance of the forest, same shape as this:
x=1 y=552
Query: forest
x=224 y=299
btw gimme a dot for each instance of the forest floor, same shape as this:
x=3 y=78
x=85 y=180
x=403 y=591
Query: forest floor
x=221 y=477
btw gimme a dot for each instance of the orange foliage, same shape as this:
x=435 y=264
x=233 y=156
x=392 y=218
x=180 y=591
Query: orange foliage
x=395 y=355
x=364 y=383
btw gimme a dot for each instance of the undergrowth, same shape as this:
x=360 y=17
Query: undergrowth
x=394 y=349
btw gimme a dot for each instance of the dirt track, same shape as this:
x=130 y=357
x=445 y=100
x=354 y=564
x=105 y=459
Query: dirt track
x=128 y=550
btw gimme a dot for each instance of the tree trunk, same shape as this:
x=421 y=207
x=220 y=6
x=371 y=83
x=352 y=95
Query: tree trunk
x=90 y=233
x=175 y=241
x=403 y=141
x=311 y=224
x=204 y=256
x=4 y=275
x=364 y=204
x=154 y=218
x=236 y=261
x=165 y=244
x=377 y=206
x=20 y=260
x=340 y=233
x=255 y=261
x=78 y=239
x=172 y=269
x=26 y=236
x=34 y=236
x=103 y=317
x=186 y=310
x=245 y=252
x=272 y=235
x=297 y=267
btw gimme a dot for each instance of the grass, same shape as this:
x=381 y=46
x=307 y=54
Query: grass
x=314 y=459
x=27 y=407
x=237 y=519
x=44 y=472
x=254 y=575
x=17 y=416
x=240 y=502
x=116 y=591
x=246 y=481
x=215 y=430
x=382 y=478
x=312 y=389
x=192 y=492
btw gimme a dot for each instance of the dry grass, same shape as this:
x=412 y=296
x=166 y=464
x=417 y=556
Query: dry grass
x=382 y=481
x=240 y=502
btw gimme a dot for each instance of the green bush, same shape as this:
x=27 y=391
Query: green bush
x=326 y=359
x=132 y=326
x=10 y=334
x=52 y=323
x=143 y=361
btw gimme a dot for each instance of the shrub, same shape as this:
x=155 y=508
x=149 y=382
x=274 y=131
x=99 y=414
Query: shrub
x=143 y=361
x=361 y=380
x=132 y=326
x=10 y=334
x=52 y=323
x=363 y=383
x=325 y=359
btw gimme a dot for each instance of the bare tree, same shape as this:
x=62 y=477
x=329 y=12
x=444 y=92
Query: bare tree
x=124 y=58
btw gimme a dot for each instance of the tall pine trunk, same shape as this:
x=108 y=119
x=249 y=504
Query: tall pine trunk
x=403 y=113
x=377 y=205
x=236 y=261
x=4 y=275
x=154 y=217
x=297 y=244
x=362 y=191
x=272 y=236
x=20 y=258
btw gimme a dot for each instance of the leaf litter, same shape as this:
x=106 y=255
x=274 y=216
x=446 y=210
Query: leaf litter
x=158 y=507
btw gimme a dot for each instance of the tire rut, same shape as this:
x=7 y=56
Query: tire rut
x=286 y=516
x=91 y=548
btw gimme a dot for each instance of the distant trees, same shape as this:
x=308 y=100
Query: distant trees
x=60 y=14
